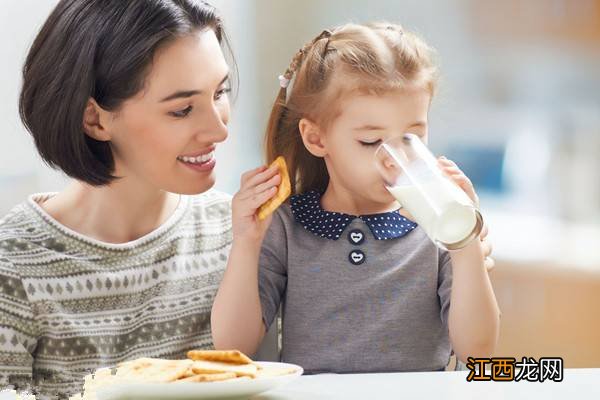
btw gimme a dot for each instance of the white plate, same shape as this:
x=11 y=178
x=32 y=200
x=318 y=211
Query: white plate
x=207 y=390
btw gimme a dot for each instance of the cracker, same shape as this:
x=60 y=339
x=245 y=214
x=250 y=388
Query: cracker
x=221 y=376
x=205 y=367
x=283 y=191
x=152 y=370
x=232 y=356
x=270 y=372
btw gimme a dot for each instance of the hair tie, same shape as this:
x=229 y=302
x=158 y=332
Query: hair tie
x=283 y=81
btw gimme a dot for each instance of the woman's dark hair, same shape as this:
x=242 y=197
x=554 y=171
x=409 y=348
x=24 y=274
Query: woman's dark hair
x=100 y=49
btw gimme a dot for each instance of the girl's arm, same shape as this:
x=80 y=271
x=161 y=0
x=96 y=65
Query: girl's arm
x=474 y=316
x=236 y=319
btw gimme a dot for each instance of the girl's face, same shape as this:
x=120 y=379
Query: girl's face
x=365 y=121
x=165 y=136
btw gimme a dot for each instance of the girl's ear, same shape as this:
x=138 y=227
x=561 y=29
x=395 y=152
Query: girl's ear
x=312 y=136
x=95 y=121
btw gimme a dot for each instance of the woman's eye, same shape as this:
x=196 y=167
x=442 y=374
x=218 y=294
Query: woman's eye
x=364 y=143
x=182 y=113
x=221 y=93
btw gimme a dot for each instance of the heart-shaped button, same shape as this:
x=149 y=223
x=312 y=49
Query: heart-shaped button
x=356 y=236
x=357 y=257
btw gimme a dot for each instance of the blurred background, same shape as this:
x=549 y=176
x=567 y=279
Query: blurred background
x=518 y=110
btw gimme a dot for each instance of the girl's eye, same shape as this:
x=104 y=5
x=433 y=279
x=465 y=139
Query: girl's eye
x=370 y=143
x=221 y=93
x=182 y=113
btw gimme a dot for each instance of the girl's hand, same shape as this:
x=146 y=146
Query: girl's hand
x=256 y=187
x=487 y=248
x=452 y=170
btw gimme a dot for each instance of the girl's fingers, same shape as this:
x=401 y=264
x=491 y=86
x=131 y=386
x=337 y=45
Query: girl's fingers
x=452 y=170
x=254 y=190
x=460 y=178
x=489 y=263
x=465 y=184
x=248 y=174
x=455 y=173
x=259 y=199
x=274 y=181
x=248 y=206
x=486 y=248
x=484 y=232
x=445 y=162
x=260 y=177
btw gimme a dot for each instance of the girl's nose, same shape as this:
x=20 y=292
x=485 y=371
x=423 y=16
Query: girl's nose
x=389 y=163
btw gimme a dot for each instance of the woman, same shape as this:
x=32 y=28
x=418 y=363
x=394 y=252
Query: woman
x=130 y=100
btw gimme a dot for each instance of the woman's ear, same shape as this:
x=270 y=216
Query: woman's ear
x=95 y=120
x=312 y=136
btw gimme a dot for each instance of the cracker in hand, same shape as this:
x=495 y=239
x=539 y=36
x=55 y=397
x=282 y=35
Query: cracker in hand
x=283 y=191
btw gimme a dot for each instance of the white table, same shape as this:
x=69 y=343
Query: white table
x=576 y=384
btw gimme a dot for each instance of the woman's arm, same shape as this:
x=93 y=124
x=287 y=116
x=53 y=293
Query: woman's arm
x=236 y=319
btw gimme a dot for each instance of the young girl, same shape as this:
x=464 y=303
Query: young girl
x=361 y=286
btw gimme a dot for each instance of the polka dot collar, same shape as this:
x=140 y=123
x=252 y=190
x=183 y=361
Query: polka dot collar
x=307 y=211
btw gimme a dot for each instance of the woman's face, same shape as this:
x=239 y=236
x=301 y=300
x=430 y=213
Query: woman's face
x=165 y=136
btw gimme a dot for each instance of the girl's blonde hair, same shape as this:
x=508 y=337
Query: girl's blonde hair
x=352 y=58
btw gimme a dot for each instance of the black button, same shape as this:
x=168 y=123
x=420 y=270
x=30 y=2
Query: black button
x=356 y=237
x=357 y=257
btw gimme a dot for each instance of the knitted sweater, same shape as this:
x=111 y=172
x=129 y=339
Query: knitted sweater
x=70 y=304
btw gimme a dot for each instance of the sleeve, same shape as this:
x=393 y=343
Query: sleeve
x=272 y=269
x=444 y=284
x=17 y=330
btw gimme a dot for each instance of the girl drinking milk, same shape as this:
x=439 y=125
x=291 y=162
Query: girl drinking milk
x=355 y=297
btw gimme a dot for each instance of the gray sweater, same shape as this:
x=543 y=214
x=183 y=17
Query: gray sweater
x=358 y=293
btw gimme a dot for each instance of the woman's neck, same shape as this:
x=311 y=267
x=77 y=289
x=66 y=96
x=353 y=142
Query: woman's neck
x=117 y=213
x=339 y=199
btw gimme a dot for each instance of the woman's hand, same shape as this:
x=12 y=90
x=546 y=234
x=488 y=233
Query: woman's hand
x=257 y=186
x=455 y=173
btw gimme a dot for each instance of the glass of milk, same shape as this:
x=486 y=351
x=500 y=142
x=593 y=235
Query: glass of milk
x=412 y=175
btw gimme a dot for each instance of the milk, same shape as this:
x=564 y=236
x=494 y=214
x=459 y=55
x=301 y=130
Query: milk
x=441 y=208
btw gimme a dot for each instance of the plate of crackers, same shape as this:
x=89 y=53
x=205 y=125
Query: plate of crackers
x=205 y=374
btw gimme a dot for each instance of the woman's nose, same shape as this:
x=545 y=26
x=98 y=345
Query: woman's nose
x=214 y=126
